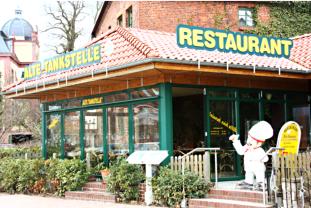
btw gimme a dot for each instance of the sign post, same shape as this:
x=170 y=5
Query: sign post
x=289 y=137
x=148 y=158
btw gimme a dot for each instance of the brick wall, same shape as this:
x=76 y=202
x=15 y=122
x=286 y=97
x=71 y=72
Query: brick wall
x=164 y=16
x=113 y=10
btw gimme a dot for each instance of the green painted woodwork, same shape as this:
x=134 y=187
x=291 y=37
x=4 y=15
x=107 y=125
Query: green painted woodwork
x=166 y=119
x=44 y=139
x=105 y=139
x=131 y=128
x=81 y=133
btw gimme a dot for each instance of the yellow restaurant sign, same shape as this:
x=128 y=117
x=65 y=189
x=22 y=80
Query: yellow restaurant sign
x=289 y=137
x=226 y=41
x=92 y=101
x=74 y=59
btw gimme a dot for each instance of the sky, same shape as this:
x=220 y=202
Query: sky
x=33 y=11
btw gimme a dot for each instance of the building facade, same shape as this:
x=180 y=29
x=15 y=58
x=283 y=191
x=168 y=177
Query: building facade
x=164 y=16
x=19 y=47
x=148 y=94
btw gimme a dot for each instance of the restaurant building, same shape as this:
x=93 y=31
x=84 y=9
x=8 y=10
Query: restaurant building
x=133 y=89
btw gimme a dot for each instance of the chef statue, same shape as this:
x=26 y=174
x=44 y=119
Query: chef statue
x=254 y=155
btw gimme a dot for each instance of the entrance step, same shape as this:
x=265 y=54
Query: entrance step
x=90 y=195
x=226 y=198
x=224 y=203
x=94 y=191
x=240 y=195
x=95 y=186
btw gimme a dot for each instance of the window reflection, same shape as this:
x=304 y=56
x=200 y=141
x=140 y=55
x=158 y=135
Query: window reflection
x=93 y=135
x=72 y=136
x=53 y=135
x=117 y=120
x=146 y=126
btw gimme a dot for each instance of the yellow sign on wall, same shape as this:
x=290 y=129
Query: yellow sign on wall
x=92 y=101
x=74 y=59
x=227 y=41
x=289 y=137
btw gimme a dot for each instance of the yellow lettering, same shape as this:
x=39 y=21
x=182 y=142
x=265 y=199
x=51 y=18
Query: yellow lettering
x=275 y=46
x=96 y=53
x=84 y=58
x=55 y=64
x=38 y=69
x=241 y=47
x=264 y=46
x=184 y=36
x=286 y=46
x=253 y=44
x=209 y=39
x=221 y=39
x=46 y=66
x=50 y=66
x=89 y=55
x=26 y=73
x=230 y=43
x=79 y=58
x=72 y=56
x=61 y=62
x=197 y=36
x=67 y=61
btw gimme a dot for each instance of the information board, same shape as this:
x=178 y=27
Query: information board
x=289 y=137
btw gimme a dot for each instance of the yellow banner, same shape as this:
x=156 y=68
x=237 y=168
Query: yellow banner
x=92 y=101
x=289 y=137
x=74 y=59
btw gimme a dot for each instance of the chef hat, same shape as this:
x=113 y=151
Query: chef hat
x=261 y=131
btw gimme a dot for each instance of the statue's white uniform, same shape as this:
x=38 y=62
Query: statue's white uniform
x=252 y=164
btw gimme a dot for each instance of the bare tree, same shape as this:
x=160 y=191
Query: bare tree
x=64 y=20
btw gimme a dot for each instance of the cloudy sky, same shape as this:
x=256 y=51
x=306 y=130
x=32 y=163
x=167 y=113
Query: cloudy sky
x=33 y=11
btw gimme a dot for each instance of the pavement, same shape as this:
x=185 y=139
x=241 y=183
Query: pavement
x=34 y=201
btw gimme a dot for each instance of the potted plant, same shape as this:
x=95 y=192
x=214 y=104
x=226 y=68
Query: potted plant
x=105 y=172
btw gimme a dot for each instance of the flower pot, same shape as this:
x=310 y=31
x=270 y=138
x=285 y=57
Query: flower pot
x=105 y=173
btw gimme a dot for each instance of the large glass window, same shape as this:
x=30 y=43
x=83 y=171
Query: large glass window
x=222 y=125
x=152 y=92
x=72 y=136
x=146 y=126
x=249 y=116
x=116 y=97
x=53 y=144
x=93 y=135
x=117 y=120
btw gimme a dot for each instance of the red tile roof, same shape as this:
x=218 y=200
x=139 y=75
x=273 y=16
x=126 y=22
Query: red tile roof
x=132 y=45
x=301 y=52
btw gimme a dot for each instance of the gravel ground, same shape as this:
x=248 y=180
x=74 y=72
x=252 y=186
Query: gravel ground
x=26 y=201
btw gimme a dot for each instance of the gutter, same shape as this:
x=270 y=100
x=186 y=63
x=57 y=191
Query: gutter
x=155 y=60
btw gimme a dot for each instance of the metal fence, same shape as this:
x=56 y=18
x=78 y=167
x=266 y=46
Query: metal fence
x=290 y=180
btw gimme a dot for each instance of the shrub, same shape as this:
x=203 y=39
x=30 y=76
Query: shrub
x=11 y=152
x=124 y=180
x=168 y=187
x=71 y=174
x=39 y=176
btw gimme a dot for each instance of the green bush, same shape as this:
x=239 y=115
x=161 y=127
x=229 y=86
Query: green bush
x=11 y=152
x=168 y=187
x=39 y=176
x=124 y=180
x=72 y=174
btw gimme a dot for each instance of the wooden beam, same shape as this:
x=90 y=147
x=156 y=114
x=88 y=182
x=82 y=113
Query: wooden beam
x=232 y=71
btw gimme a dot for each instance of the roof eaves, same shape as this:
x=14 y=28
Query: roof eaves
x=150 y=60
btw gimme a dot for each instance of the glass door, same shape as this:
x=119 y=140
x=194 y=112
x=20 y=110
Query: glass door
x=93 y=135
x=53 y=143
x=72 y=134
x=118 y=130
x=222 y=124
